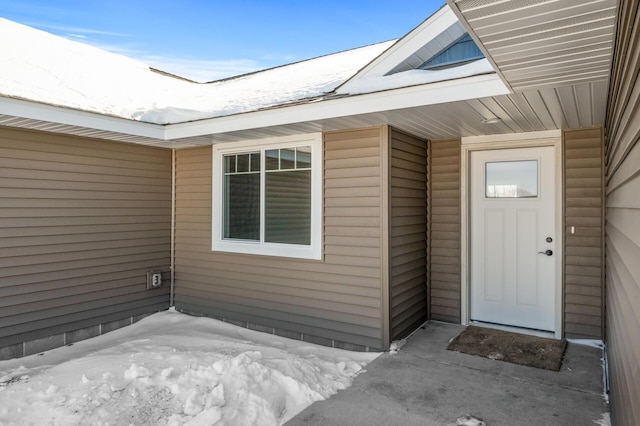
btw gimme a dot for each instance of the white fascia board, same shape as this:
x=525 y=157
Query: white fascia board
x=435 y=25
x=408 y=97
x=55 y=114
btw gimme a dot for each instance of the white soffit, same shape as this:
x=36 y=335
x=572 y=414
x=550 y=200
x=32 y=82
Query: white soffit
x=546 y=109
x=536 y=43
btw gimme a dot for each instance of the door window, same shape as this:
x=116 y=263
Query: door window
x=511 y=179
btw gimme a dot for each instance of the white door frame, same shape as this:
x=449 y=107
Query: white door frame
x=520 y=140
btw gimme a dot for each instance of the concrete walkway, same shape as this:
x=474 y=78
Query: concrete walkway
x=424 y=384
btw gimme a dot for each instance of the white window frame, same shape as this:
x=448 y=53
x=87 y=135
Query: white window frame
x=312 y=251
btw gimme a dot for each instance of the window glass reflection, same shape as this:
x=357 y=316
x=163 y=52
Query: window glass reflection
x=512 y=179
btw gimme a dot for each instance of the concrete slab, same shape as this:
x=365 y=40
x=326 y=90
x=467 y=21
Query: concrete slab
x=424 y=384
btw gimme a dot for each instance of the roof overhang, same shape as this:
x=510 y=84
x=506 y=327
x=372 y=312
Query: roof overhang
x=371 y=103
x=315 y=115
x=414 y=111
x=552 y=57
x=40 y=116
x=543 y=43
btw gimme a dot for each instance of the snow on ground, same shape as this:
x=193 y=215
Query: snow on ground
x=396 y=345
x=41 y=67
x=604 y=421
x=174 y=369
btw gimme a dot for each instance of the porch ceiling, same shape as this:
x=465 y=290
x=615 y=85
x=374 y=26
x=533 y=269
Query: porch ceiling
x=536 y=43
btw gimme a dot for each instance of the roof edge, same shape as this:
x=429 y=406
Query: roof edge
x=452 y=90
x=32 y=110
x=430 y=28
x=234 y=77
x=454 y=7
x=464 y=88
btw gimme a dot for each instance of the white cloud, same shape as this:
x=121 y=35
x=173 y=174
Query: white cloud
x=200 y=70
x=73 y=30
x=286 y=58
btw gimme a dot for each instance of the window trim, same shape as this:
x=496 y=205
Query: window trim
x=219 y=244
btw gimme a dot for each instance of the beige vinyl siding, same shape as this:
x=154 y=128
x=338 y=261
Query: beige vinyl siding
x=444 y=229
x=584 y=249
x=81 y=222
x=408 y=233
x=623 y=219
x=333 y=301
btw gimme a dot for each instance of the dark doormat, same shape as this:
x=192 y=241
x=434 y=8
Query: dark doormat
x=516 y=348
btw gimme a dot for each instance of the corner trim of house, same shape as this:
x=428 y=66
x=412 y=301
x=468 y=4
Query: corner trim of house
x=172 y=267
x=385 y=176
x=464 y=234
x=520 y=140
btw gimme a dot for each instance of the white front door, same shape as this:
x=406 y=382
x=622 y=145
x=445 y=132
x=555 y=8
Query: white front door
x=513 y=241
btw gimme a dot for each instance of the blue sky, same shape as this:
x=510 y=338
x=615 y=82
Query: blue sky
x=208 y=40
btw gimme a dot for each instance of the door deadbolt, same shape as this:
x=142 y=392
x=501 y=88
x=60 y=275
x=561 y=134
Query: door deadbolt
x=547 y=252
x=549 y=240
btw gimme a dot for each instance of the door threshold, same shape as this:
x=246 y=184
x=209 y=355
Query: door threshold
x=514 y=329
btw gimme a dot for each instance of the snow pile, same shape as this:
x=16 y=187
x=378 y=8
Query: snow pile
x=45 y=68
x=396 y=345
x=468 y=420
x=173 y=369
x=604 y=421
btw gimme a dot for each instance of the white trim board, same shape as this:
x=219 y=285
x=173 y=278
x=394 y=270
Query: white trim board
x=479 y=86
x=431 y=28
x=72 y=117
x=512 y=137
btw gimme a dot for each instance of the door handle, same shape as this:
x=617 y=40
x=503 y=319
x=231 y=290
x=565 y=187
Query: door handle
x=547 y=252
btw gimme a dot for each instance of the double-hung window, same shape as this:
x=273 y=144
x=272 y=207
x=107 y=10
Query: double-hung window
x=267 y=197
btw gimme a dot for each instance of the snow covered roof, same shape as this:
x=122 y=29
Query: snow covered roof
x=41 y=67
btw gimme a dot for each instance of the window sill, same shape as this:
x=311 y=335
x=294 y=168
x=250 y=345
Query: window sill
x=268 y=249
